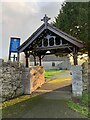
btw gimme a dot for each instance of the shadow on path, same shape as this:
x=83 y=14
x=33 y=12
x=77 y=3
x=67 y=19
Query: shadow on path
x=55 y=94
x=50 y=101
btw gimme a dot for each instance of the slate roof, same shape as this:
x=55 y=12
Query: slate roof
x=49 y=58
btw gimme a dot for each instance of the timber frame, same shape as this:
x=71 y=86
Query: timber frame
x=46 y=40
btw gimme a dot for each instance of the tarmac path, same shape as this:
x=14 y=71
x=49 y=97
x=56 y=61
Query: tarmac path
x=53 y=103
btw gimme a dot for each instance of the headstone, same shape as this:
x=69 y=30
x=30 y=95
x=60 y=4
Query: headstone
x=77 y=84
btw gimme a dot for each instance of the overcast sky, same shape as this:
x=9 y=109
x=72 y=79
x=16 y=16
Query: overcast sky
x=21 y=19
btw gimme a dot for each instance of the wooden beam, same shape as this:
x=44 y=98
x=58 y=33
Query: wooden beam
x=40 y=60
x=26 y=56
x=53 y=47
x=35 y=63
x=26 y=61
x=75 y=53
x=75 y=59
x=31 y=38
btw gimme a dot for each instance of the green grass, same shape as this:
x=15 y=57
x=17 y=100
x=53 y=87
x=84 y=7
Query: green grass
x=82 y=106
x=50 y=73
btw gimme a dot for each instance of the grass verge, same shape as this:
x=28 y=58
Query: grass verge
x=19 y=109
x=81 y=106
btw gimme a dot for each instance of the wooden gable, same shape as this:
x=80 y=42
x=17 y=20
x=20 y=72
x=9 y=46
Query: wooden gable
x=49 y=38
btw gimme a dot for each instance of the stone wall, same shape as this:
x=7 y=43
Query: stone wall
x=10 y=80
x=33 y=78
x=16 y=80
x=85 y=75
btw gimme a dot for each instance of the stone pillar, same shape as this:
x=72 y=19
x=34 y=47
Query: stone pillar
x=26 y=80
x=33 y=78
x=77 y=84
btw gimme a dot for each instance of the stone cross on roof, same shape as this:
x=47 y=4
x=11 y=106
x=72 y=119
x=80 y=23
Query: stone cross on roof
x=45 y=19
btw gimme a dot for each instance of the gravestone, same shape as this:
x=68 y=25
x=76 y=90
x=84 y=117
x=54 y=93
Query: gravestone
x=77 y=84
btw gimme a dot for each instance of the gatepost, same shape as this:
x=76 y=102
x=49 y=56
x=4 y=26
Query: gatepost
x=77 y=84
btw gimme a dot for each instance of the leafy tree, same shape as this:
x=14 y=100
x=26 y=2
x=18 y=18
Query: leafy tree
x=73 y=19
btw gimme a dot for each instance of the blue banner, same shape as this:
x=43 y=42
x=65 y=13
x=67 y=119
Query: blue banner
x=14 y=44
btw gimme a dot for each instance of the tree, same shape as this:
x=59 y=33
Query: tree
x=73 y=19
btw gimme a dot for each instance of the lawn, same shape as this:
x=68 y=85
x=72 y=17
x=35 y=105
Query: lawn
x=51 y=73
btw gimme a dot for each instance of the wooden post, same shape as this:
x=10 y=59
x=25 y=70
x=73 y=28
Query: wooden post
x=18 y=57
x=9 y=56
x=75 y=56
x=26 y=56
x=26 y=61
x=14 y=58
x=34 y=60
x=75 y=59
x=40 y=60
x=42 y=43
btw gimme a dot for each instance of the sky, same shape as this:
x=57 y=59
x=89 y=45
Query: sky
x=21 y=19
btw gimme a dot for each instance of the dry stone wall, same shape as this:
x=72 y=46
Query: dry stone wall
x=10 y=80
x=85 y=76
x=16 y=80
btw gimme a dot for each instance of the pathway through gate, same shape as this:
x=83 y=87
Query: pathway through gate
x=58 y=87
x=53 y=99
x=50 y=103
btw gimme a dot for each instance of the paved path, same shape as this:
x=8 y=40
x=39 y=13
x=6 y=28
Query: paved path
x=53 y=103
x=58 y=85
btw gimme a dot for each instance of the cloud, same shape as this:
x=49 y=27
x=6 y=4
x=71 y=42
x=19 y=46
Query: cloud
x=50 y=8
x=14 y=11
x=21 y=19
x=16 y=21
x=33 y=0
x=0 y=30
